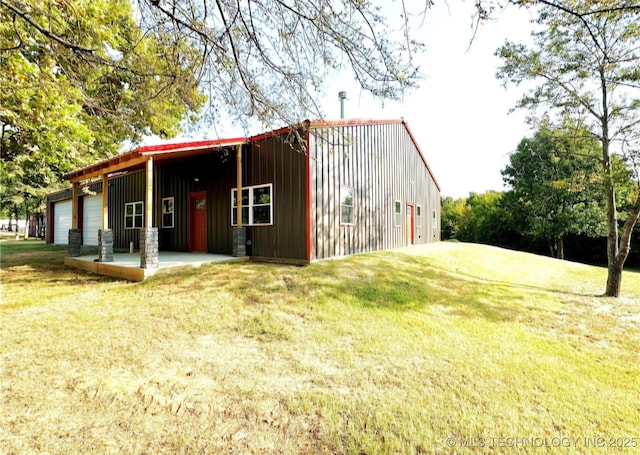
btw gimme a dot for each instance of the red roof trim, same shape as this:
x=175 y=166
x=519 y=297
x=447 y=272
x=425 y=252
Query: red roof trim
x=193 y=145
x=420 y=153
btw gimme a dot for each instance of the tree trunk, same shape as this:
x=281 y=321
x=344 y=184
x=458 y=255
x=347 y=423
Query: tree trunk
x=614 y=275
x=26 y=227
x=552 y=252
x=559 y=247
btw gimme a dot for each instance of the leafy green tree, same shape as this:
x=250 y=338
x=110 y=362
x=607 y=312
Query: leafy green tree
x=585 y=65
x=78 y=78
x=555 y=186
x=478 y=218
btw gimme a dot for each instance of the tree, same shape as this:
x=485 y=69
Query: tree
x=269 y=60
x=479 y=218
x=78 y=78
x=586 y=67
x=555 y=186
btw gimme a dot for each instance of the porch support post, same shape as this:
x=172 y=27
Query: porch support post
x=149 y=194
x=75 y=234
x=105 y=235
x=149 y=234
x=105 y=201
x=74 y=205
x=239 y=232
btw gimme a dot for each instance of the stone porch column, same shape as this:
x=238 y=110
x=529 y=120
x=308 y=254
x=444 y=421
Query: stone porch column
x=75 y=242
x=105 y=245
x=149 y=247
x=239 y=242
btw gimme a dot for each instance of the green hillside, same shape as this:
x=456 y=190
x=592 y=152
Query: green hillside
x=447 y=348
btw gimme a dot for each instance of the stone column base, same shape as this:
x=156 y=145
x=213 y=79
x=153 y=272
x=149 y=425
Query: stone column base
x=239 y=249
x=75 y=242
x=149 y=248
x=105 y=245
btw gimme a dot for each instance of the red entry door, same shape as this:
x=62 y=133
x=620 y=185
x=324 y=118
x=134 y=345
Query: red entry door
x=411 y=223
x=198 y=218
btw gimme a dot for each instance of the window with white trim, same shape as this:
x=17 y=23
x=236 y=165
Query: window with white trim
x=346 y=205
x=167 y=212
x=418 y=216
x=257 y=205
x=397 y=213
x=133 y=215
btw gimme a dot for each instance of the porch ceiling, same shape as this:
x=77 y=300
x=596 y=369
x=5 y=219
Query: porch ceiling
x=136 y=158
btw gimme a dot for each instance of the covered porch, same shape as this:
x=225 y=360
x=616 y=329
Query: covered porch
x=127 y=265
x=139 y=212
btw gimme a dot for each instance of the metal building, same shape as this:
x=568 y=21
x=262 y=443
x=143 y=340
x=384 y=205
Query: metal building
x=312 y=191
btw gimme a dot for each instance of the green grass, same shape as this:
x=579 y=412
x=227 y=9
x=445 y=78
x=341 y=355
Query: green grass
x=392 y=352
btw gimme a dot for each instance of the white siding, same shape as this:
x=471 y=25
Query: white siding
x=92 y=219
x=61 y=222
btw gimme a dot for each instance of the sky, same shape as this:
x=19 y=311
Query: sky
x=460 y=114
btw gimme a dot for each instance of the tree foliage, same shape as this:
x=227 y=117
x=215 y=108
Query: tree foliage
x=270 y=59
x=77 y=79
x=556 y=186
x=478 y=218
x=585 y=66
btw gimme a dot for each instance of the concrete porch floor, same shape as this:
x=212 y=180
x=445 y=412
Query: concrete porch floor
x=127 y=265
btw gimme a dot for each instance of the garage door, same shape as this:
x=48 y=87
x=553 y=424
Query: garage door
x=61 y=222
x=91 y=219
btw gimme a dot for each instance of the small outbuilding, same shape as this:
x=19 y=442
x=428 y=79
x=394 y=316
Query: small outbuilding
x=298 y=194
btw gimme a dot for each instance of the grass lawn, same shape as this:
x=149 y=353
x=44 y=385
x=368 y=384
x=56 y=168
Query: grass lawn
x=446 y=348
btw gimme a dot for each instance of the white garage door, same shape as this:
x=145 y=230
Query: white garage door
x=61 y=222
x=92 y=219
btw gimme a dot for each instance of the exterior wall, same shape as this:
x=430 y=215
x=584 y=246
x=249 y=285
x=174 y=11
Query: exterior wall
x=382 y=164
x=122 y=190
x=281 y=161
x=213 y=173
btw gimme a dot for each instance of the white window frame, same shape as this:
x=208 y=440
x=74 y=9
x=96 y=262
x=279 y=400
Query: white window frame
x=344 y=188
x=397 y=213
x=251 y=205
x=418 y=216
x=168 y=208
x=135 y=215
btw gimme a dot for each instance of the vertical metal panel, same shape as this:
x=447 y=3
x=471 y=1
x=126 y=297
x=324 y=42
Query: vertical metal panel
x=281 y=161
x=122 y=190
x=380 y=161
x=211 y=173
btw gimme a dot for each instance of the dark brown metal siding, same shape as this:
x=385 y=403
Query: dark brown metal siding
x=274 y=160
x=382 y=164
x=122 y=190
x=214 y=174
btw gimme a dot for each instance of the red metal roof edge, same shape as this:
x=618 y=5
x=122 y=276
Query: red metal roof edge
x=424 y=160
x=172 y=147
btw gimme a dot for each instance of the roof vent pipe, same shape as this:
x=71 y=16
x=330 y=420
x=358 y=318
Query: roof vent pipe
x=342 y=96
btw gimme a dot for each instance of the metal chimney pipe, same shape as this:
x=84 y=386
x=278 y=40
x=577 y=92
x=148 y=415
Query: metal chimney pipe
x=342 y=96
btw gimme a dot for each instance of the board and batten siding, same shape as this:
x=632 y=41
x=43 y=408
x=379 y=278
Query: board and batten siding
x=122 y=190
x=275 y=159
x=212 y=173
x=382 y=164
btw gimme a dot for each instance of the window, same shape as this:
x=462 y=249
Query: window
x=397 y=212
x=257 y=205
x=418 y=216
x=167 y=212
x=346 y=205
x=133 y=215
